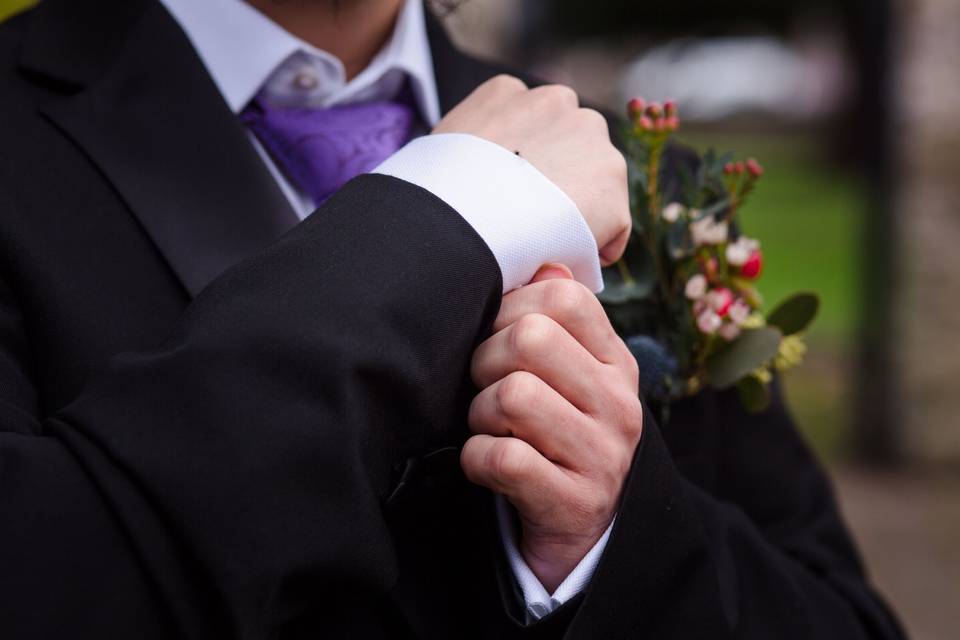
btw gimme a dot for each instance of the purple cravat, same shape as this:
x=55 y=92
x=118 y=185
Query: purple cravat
x=321 y=149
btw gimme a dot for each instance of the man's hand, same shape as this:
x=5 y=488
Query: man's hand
x=557 y=420
x=569 y=145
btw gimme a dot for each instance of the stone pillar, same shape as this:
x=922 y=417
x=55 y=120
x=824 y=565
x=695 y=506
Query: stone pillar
x=928 y=222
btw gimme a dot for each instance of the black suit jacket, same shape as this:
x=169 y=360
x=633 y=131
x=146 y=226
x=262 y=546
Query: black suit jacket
x=216 y=423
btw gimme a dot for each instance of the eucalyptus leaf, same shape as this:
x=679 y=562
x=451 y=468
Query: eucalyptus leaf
x=754 y=395
x=753 y=349
x=632 y=278
x=713 y=209
x=689 y=185
x=723 y=159
x=679 y=243
x=795 y=314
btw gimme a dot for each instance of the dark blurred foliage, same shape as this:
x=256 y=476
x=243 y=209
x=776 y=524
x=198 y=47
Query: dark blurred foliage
x=697 y=17
x=860 y=138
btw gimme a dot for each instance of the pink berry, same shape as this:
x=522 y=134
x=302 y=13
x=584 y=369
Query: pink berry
x=708 y=322
x=645 y=123
x=754 y=168
x=635 y=108
x=670 y=108
x=655 y=111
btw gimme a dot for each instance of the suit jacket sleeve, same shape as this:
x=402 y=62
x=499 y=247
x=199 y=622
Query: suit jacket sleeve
x=223 y=483
x=762 y=554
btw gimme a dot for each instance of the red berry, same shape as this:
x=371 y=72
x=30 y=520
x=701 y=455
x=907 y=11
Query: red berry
x=655 y=111
x=739 y=167
x=645 y=123
x=752 y=268
x=670 y=108
x=754 y=168
x=635 y=108
x=672 y=123
x=728 y=169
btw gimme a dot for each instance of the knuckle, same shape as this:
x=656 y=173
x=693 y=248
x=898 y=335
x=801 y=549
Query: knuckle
x=560 y=93
x=531 y=334
x=516 y=393
x=616 y=170
x=567 y=299
x=630 y=417
x=507 y=83
x=630 y=367
x=619 y=163
x=594 y=119
x=508 y=460
x=470 y=459
x=478 y=413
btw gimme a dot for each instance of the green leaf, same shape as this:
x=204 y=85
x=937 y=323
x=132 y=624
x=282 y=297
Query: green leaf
x=753 y=349
x=632 y=278
x=795 y=314
x=679 y=243
x=754 y=395
x=713 y=209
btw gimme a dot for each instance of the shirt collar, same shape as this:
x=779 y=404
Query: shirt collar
x=242 y=49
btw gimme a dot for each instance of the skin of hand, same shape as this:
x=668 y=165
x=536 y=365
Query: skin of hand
x=557 y=420
x=570 y=145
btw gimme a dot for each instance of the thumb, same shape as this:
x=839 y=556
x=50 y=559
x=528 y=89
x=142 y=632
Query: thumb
x=552 y=271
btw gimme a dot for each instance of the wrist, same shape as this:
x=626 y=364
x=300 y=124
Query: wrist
x=552 y=558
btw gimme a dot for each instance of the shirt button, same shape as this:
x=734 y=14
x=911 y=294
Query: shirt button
x=538 y=609
x=305 y=81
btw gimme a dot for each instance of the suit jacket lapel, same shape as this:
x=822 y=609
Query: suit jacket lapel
x=148 y=114
x=457 y=74
x=157 y=127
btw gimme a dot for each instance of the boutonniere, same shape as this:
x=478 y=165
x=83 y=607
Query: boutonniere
x=684 y=295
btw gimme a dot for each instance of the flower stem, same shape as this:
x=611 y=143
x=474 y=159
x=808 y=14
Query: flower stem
x=625 y=273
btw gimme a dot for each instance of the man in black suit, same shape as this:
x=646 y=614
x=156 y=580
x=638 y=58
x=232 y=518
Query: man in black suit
x=217 y=422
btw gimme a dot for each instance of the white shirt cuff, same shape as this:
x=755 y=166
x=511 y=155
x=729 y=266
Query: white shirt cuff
x=538 y=602
x=525 y=219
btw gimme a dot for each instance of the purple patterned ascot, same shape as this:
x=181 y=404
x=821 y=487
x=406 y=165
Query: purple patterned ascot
x=320 y=150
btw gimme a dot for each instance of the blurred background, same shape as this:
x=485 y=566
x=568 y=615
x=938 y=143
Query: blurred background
x=853 y=106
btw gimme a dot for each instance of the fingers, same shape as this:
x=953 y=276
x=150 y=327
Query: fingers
x=618 y=219
x=613 y=251
x=538 y=345
x=525 y=407
x=556 y=96
x=568 y=144
x=552 y=272
x=572 y=306
x=486 y=112
x=502 y=85
x=516 y=470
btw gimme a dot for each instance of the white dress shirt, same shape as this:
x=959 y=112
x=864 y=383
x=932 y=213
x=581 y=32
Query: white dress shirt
x=524 y=218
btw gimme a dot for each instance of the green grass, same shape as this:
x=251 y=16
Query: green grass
x=809 y=217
